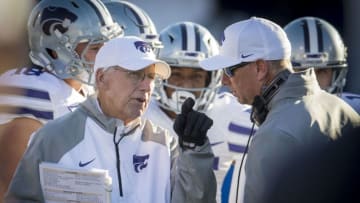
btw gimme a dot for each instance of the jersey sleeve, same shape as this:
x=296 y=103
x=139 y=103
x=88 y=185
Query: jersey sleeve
x=23 y=96
x=353 y=100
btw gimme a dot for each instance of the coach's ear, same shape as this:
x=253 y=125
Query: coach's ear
x=99 y=77
x=262 y=70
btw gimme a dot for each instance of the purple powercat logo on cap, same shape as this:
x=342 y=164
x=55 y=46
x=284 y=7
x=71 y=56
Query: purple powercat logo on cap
x=143 y=46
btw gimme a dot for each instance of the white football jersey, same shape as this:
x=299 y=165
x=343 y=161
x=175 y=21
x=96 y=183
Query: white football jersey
x=228 y=135
x=36 y=94
x=352 y=99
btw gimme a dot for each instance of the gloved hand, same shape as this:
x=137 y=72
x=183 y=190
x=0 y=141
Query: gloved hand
x=191 y=126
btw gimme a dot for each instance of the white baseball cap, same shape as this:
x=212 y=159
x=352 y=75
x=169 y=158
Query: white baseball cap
x=250 y=40
x=131 y=53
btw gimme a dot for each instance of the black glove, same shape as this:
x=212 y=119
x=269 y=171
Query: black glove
x=191 y=126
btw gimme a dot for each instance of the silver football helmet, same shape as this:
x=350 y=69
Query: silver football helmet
x=185 y=45
x=316 y=43
x=134 y=21
x=55 y=29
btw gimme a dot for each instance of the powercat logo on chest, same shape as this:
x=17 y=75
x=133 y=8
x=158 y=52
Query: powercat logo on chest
x=140 y=162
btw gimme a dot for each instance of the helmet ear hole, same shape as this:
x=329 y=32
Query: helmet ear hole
x=51 y=53
x=209 y=42
x=74 y=4
x=171 y=38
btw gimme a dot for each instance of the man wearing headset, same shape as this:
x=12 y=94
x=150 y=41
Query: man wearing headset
x=184 y=45
x=255 y=55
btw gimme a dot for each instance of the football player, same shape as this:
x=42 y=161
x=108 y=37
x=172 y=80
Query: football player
x=134 y=21
x=316 y=43
x=185 y=44
x=64 y=37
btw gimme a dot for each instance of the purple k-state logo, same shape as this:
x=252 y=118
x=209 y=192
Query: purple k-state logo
x=143 y=46
x=140 y=162
x=56 y=18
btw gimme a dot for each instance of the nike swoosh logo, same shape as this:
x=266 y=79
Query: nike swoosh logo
x=245 y=56
x=216 y=143
x=86 y=163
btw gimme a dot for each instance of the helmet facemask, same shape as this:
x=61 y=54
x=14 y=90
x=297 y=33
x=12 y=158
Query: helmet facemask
x=185 y=45
x=203 y=102
x=338 y=81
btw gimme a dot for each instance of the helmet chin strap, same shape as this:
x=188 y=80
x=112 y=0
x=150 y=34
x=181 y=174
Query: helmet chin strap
x=179 y=97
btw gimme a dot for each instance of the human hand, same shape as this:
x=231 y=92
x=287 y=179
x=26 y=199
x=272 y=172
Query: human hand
x=191 y=126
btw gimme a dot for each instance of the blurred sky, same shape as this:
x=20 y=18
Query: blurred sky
x=13 y=35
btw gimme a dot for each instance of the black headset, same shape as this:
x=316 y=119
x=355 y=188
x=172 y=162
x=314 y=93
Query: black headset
x=260 y=111
x=260 y=104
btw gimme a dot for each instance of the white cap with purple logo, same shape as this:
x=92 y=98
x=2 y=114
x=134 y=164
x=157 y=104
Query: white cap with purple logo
x=131 y=53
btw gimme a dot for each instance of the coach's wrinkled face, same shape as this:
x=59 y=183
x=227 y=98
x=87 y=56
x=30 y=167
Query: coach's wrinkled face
x=125 y=94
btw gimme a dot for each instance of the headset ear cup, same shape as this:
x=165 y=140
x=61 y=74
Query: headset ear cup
x=259 y=110
x=259 y=106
